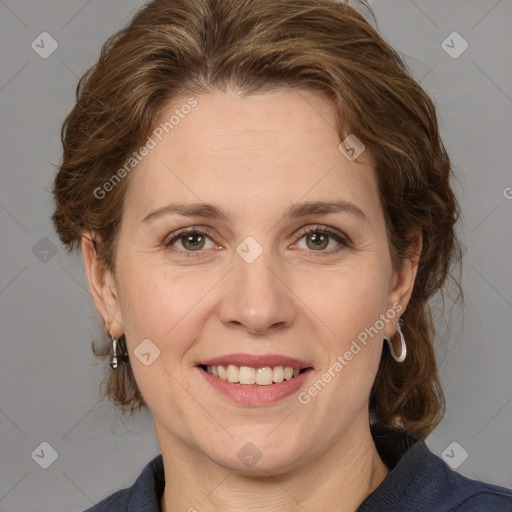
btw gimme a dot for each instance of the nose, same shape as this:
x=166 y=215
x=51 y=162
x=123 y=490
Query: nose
x=257 y=297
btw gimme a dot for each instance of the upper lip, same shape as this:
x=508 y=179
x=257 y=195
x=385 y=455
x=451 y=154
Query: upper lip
x=257 y=361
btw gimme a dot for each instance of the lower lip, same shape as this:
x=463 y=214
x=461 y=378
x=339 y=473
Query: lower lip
x=254 y=395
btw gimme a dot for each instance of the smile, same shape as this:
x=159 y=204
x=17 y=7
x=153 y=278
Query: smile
x=244 y=387
x=247 y=375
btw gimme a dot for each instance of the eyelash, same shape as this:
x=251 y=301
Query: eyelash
x=322 y=230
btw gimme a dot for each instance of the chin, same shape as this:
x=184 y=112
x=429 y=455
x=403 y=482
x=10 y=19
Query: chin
x=259 y=458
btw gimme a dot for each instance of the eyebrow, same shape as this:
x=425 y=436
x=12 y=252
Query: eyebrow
x=294 y=211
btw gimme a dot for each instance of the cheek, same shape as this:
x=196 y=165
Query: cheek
x=168 y=307
x=151 y=298
x=351 y=298
x=350 y=357
x=350 y=316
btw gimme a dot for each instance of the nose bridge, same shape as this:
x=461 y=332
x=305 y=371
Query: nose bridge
x=258 y=298
x=254 y=265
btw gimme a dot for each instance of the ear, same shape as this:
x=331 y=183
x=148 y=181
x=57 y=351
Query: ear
x=402 y=284
x=102 y=286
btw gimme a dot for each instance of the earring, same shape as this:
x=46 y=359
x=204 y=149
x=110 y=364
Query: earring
x=403 y=352
x=118 y=354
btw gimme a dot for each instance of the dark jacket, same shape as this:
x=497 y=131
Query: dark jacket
x=418 y=482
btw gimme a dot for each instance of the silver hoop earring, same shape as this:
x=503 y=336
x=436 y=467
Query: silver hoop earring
x=403 y=352
x=118 y=354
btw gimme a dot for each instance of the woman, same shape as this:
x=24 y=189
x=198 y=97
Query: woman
x=264 y=209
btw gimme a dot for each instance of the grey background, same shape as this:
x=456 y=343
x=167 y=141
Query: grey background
x=49 y=378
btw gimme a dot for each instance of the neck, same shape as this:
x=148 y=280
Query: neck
x=338 y=479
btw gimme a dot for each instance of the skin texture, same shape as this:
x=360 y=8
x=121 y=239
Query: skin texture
x=254 y=157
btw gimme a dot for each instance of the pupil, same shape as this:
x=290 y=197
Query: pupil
x=190 y=238
x=319 y=240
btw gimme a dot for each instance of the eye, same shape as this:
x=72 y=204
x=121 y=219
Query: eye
x=318 y=238
x=191 y=239
x=194 y=239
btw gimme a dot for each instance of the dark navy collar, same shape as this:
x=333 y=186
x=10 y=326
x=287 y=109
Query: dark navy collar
x=392 y=445
x=418 y=481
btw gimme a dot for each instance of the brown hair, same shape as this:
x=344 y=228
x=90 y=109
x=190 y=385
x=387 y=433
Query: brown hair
x=177 y=47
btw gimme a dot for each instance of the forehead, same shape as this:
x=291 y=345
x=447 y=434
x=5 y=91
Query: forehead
x=271 y=148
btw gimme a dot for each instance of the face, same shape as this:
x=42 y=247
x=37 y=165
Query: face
x=246 y=279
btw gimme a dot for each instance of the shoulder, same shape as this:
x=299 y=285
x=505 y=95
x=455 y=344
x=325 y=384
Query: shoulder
x=482 y=497
x=144 y=494
x=116 y=502
x=451 y=491
x=446 y=490
x=421 y=481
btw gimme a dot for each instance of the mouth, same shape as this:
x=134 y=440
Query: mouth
x=254 y=380
x=252 y=376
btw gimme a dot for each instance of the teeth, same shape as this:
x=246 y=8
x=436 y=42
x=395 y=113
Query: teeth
x=222 y=372
x=246 y=375
x=233 y=373
x=264 y=376
x=278 y=374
